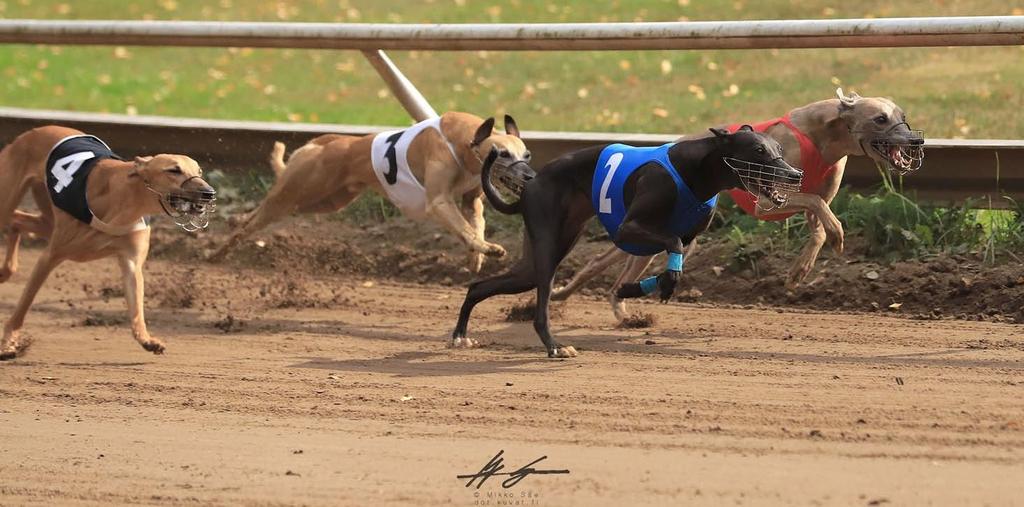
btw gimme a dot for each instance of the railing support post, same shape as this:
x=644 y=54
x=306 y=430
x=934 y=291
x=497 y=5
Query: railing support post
x=412 y=100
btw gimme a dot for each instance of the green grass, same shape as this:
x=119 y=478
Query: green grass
x=891 y=225
x=965 y=92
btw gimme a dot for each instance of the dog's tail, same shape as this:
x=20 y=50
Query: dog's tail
x=276 y=159
x=492 y=193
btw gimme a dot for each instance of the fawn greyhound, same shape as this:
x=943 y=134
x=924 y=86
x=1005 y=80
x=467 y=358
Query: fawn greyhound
x=649 y=199
x=91 y=206
x=818 y=138
x=423 y=170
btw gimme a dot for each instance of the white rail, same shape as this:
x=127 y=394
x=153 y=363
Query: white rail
x=822 y=33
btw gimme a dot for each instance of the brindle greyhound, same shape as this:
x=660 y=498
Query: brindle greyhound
x=430 y=171
x=818 y=138
x=91 y=206
x=570 y=190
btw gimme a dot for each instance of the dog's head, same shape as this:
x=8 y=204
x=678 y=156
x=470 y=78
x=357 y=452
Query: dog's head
x=512 y=163
x=756 y=165
x=880 y=128
x=178 y=183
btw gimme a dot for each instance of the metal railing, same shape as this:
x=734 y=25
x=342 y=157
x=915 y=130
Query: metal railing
x=817 y=33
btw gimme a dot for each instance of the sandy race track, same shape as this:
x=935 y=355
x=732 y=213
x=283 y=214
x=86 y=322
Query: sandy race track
x=353 y=399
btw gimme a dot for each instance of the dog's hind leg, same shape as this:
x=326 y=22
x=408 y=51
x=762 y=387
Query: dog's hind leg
x=21 y=223
x=612 y=255
x=272 y=209
x=11 y=344
x=16 y=223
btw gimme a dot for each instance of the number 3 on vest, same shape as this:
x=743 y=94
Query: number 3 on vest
x=65 y=168
x=613 y=164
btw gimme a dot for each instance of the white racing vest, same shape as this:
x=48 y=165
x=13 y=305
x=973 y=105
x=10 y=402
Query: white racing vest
x=389 y=155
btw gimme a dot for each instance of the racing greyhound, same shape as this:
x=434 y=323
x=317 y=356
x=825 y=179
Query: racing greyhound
x=422 y=170
x=649 y=199
x=818 y=138
x=91 y=206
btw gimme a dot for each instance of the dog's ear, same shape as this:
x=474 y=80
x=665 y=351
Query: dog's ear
x=140 y=163
x=485 y=131
x=510 y=126
x=719 y=132
x=846 y=101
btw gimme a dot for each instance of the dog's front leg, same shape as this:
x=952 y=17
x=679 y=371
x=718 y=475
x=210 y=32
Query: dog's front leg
x=473 y=212
x=815 y=205
x=809 y=254
x=11 y=344
x=134 y=293
x=443 y=209
x=665 y=283
x=440 y=180
x=634 y=267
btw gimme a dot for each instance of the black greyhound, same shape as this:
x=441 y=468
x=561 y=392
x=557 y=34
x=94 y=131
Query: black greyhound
x=566 y=193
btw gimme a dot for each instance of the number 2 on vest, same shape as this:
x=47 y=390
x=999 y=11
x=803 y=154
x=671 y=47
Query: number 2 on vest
x=611 y=166
x=64 y=169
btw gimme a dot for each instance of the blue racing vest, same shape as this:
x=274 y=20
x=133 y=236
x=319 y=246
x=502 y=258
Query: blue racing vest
x=616 y=163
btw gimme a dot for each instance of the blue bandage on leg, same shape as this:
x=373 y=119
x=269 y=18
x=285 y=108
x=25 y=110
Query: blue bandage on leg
x=649 y=285
x=675 y=262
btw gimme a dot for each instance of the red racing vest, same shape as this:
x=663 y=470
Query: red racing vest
x=815 y=170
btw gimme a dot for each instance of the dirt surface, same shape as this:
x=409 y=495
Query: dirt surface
x=298 y=374
x=935 y=287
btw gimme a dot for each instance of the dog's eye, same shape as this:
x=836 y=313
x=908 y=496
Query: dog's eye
x=881 y=119
x=527 y=155
x=761 y=149
x=504 y=154
x=175 y=170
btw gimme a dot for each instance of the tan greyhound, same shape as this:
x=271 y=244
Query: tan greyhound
x=429 y=171
x=91 y=206
x=817 y=138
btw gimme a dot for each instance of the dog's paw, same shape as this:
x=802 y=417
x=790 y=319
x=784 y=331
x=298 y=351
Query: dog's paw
x=563 y=352
x=153 y=345
x=8 y=353
x=835 y=234
x=494 y=250
x=5 y=274
x=475 y=262
x=463 y=343
x=13 y=346
x=798 y=273
x=619 y=309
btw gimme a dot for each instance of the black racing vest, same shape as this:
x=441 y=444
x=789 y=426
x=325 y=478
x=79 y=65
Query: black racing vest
x=67 y=171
